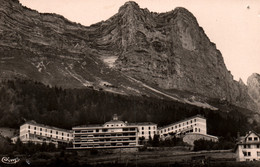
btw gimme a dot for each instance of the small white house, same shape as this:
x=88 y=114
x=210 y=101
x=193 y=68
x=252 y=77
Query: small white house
x=248 y=147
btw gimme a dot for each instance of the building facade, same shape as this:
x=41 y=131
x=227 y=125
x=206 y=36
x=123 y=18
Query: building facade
x=39 y=133
x=195 y=124
x=248 y=147
x=146 y=130
x=112 y=134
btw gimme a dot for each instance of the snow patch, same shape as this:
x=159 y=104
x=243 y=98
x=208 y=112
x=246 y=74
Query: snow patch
x=110 y=61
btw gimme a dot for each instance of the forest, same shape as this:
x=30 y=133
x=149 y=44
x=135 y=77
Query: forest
x=23 y=100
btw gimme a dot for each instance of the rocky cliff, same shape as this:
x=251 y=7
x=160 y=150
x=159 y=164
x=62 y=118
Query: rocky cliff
x=253 y=83
x=135 y=52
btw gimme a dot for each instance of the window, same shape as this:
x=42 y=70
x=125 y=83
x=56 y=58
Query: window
x=176 y=127
x=57 y=132
x=244 y=153
x=142 y=128
x=149 y=128
x=199 y=129
x=194 y=120
x=255 y=138
x=45 y=130
x=51 y=131
x=62 y=134
x=34 y=128
x=40 y=129
x=29 y=127
x=29 y=131
x=40 y=133
x=195 y=129
x=50 y=135
x=168 y=129
x=250 y=138
x=172 y=128
x=244 y=146
x=154 y=127
x=68 y=135
x=258 y=146
x=248 y=153
x=142 y=133
x=149 y=132
x=248 y=146
x=190 y=121
x=258 y=153
x=187 y=123
x=179 y=125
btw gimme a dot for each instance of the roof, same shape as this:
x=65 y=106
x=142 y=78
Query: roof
x=142 y=123
x=114 y=121
x=186 y=119
x=32 y=122
x=249 y=133
x=242 y=140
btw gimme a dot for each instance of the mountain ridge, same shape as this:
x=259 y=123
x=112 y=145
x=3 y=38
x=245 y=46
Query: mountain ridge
x=164 y=51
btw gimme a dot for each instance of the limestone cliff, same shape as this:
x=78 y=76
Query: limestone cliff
x=253 y=83
x=135 y=52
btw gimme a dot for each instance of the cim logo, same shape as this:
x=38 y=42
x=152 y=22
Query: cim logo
x=7 y=160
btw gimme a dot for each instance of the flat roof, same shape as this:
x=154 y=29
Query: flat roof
x=102 y=125
x=195 y=116
x=31 y=122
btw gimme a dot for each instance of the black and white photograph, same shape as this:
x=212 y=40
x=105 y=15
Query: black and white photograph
x=117 y=83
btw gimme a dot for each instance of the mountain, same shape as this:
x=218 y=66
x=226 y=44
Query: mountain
x=135 y=52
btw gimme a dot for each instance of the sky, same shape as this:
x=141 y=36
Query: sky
x=233 y=25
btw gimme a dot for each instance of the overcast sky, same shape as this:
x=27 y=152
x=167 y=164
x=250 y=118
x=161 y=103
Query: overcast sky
x=233 y=25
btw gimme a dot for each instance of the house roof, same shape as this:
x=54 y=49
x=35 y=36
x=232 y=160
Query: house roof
x=242 y=140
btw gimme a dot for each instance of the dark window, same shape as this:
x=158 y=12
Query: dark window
x=62 y=134
x=34 y=128
x=142 y=133
x=248 y=153
x=194 y=120
x=40 y=129
x=255 y=138
x=250 y=138
x=57 y=132
x=29 y=127
x=51 y=131
x=68 y=135
x=149 y=128
x=142 y=128
x=97 y=130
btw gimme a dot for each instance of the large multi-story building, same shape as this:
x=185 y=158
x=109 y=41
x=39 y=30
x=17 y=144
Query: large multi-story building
x=248 y=147
x=195 y=124
x=39 y=133
x=112 y=134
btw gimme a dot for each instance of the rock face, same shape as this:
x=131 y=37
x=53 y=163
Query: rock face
x=127 y=53
x=253 y=83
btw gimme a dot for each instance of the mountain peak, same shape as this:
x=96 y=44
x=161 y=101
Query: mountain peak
x=130 y=5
